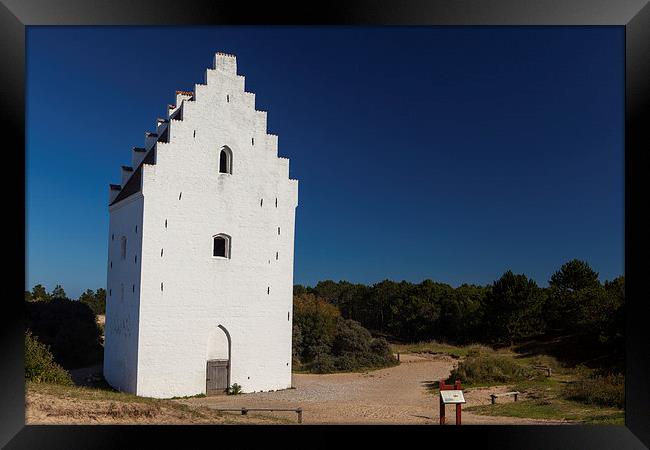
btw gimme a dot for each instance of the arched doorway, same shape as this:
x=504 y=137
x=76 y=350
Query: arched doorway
x=217 y=378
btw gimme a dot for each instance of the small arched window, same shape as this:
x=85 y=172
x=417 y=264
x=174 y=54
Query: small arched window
x=225 y=160
x=221 y=246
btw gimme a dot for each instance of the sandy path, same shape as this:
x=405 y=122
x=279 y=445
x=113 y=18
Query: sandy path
x=396 y=395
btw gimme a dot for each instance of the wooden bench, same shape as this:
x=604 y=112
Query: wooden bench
x=244 y=411
x=494 y=396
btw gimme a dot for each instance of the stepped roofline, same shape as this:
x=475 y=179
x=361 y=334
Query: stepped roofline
x=134 y=184
x=224 y=63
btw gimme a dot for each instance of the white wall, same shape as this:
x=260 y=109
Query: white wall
x=122 y=294
x=178 y=329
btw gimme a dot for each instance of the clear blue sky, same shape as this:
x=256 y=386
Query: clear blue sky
x=445 y=153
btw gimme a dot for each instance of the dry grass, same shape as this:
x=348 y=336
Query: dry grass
x=55 y=404
x=435 y=347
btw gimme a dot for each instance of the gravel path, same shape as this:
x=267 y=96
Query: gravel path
x=396 y=395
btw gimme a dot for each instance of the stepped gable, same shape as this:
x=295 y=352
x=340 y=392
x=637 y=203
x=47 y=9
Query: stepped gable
x=226 y=64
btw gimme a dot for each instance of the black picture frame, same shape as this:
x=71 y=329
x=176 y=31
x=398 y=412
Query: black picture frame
x=634 y=15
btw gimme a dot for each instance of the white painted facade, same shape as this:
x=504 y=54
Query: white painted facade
x=169 y=299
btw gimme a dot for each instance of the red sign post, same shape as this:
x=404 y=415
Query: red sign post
x=449 y=387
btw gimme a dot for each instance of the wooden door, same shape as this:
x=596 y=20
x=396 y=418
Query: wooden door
x=217 y=376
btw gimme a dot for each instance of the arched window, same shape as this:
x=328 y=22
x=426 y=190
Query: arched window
x=221 y=246
x=225 y=160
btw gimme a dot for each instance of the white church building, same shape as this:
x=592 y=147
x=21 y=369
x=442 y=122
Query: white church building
x=200 y=250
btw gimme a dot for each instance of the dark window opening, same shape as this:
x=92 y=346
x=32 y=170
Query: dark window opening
x=278 y=231
x=133 y=287
x=261 y=201
x=276 y=256
x=252 y=141
x=161 y=252
x=268 y=290
x=225 y=161
x=135 y=259
x=136 y=228
x=194 y=134
x=180 y=195
x=228 y=98
x=276 y=202
x=112 y=237
x=221 y=246
x=161 y=286
x=165 y=223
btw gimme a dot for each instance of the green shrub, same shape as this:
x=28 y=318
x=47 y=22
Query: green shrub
x=347 y=362
x=381 y=348
x=235 y=389
x=324 y=342
x=490 y=368
x=296 y=346
x=317 y=320
x=353 y=348
x=322 y=363
x=39 y=363
x=603 y=390
x=351 y=337
x=69 y=328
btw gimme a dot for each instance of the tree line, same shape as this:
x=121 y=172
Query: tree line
x=511 y=308
x=329 y=318
x=95 y=300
